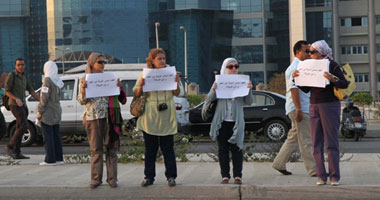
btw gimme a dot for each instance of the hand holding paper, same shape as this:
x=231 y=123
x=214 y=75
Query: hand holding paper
x=231 y=86
x=159 y=79
x=101 y=85
x=310 y=73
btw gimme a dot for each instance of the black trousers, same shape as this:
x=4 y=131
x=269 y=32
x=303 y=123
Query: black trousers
x=21 y=115
x=166 y=143
x=224 y=148
x=52 y=143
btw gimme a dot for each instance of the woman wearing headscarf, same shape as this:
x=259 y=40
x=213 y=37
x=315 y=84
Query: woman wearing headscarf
x=49 y=114
x=95 y=121
x=158 y=123
x=325 y=115
x=227 y=126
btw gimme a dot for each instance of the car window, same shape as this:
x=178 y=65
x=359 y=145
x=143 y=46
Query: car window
x=67 y=91
x=262 y=100
x=128 y=86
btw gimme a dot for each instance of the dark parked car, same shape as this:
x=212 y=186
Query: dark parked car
x=267 y=112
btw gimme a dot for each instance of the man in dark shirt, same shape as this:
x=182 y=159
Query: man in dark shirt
x=15 y=86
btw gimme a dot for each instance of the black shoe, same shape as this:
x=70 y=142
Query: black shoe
x=146 y=182
x=171 y=182
x=284 y=172
x=20 y=156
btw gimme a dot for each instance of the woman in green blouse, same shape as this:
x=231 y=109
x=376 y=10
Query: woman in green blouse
x=158 y=125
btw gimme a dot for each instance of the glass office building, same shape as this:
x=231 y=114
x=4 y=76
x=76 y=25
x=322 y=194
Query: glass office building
x=13 y=33
x=209 y=34
x=116 y=28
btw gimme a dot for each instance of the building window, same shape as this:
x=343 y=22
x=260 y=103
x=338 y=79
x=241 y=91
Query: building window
x=248 y=54
x=361 y=49
x=378 y=20
x=361 y=78
x=354 y=21
x=242 y=6
x=318 y=3
x=378 y=50
x=248 y=28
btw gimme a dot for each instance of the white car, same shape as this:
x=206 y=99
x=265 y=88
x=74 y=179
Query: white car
x=72 y=111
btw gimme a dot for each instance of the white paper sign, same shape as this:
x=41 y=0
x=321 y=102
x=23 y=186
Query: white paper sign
x=311 y=73
x=159 y=79
x=101 y=85
x=231 y=86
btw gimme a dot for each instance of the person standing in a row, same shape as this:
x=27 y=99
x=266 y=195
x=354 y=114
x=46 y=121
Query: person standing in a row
x=49 y=113
x=325 y=115
x=158 y=123
x=227 y=126
x=96 y=125
x=15 y=86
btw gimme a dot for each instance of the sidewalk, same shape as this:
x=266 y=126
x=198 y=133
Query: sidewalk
x=196 y=180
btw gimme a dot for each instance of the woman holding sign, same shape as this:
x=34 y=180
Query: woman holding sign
x=158 y=122
x=95 y=121
x=227 y=126
x=325 y=115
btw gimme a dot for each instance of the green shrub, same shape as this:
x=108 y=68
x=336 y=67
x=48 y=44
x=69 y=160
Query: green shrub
x=194 y=100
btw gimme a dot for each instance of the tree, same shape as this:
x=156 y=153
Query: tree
x=362 y=99
x=277 y=83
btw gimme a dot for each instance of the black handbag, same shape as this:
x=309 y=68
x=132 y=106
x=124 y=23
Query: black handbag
x=208 y=110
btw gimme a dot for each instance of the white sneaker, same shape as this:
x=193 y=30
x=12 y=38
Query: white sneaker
x=47 y=164
x=334 y=183
x=60 y=162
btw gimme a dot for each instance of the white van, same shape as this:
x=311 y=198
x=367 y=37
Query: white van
x=72 y=111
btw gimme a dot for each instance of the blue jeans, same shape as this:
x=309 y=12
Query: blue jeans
x=52 y=143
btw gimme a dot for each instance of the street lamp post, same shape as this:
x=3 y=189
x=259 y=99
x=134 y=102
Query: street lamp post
x=185 y=47
x=157 y=24
x=63 y=58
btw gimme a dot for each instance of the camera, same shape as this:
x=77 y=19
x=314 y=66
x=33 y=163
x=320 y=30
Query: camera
x=162 y=106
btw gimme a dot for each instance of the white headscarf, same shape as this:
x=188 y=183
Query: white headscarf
x=323 y=48
x=225 y=63
x=51 y=71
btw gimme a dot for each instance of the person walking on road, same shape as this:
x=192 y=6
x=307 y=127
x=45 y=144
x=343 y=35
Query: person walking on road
x=96 y=125
x=227 y=126
x=49 y=113
x=325 y=115
x=297 y=108
x=15 y=86
x=158 y=122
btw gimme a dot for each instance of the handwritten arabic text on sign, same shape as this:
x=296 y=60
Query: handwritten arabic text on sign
x=159 y=79
x=311 y=73
x=231 y=86
x=101 y=85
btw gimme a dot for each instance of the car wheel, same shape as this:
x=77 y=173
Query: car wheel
x=29 y=137
x=276 y=130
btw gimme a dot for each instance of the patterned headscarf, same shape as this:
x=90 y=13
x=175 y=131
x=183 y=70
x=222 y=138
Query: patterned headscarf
x=91 y=61
x=51 y=71
x=323 y=48
x=225 y=63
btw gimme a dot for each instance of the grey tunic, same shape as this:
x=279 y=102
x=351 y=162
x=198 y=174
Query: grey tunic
x=237 y=115
x=49 y=106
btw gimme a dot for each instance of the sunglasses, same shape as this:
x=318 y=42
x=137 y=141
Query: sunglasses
x=232 y=66
x=311 y=52
x=20 y=64
x=101 y=62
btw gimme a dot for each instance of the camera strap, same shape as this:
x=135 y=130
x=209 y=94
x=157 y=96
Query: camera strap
x=157 y=97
